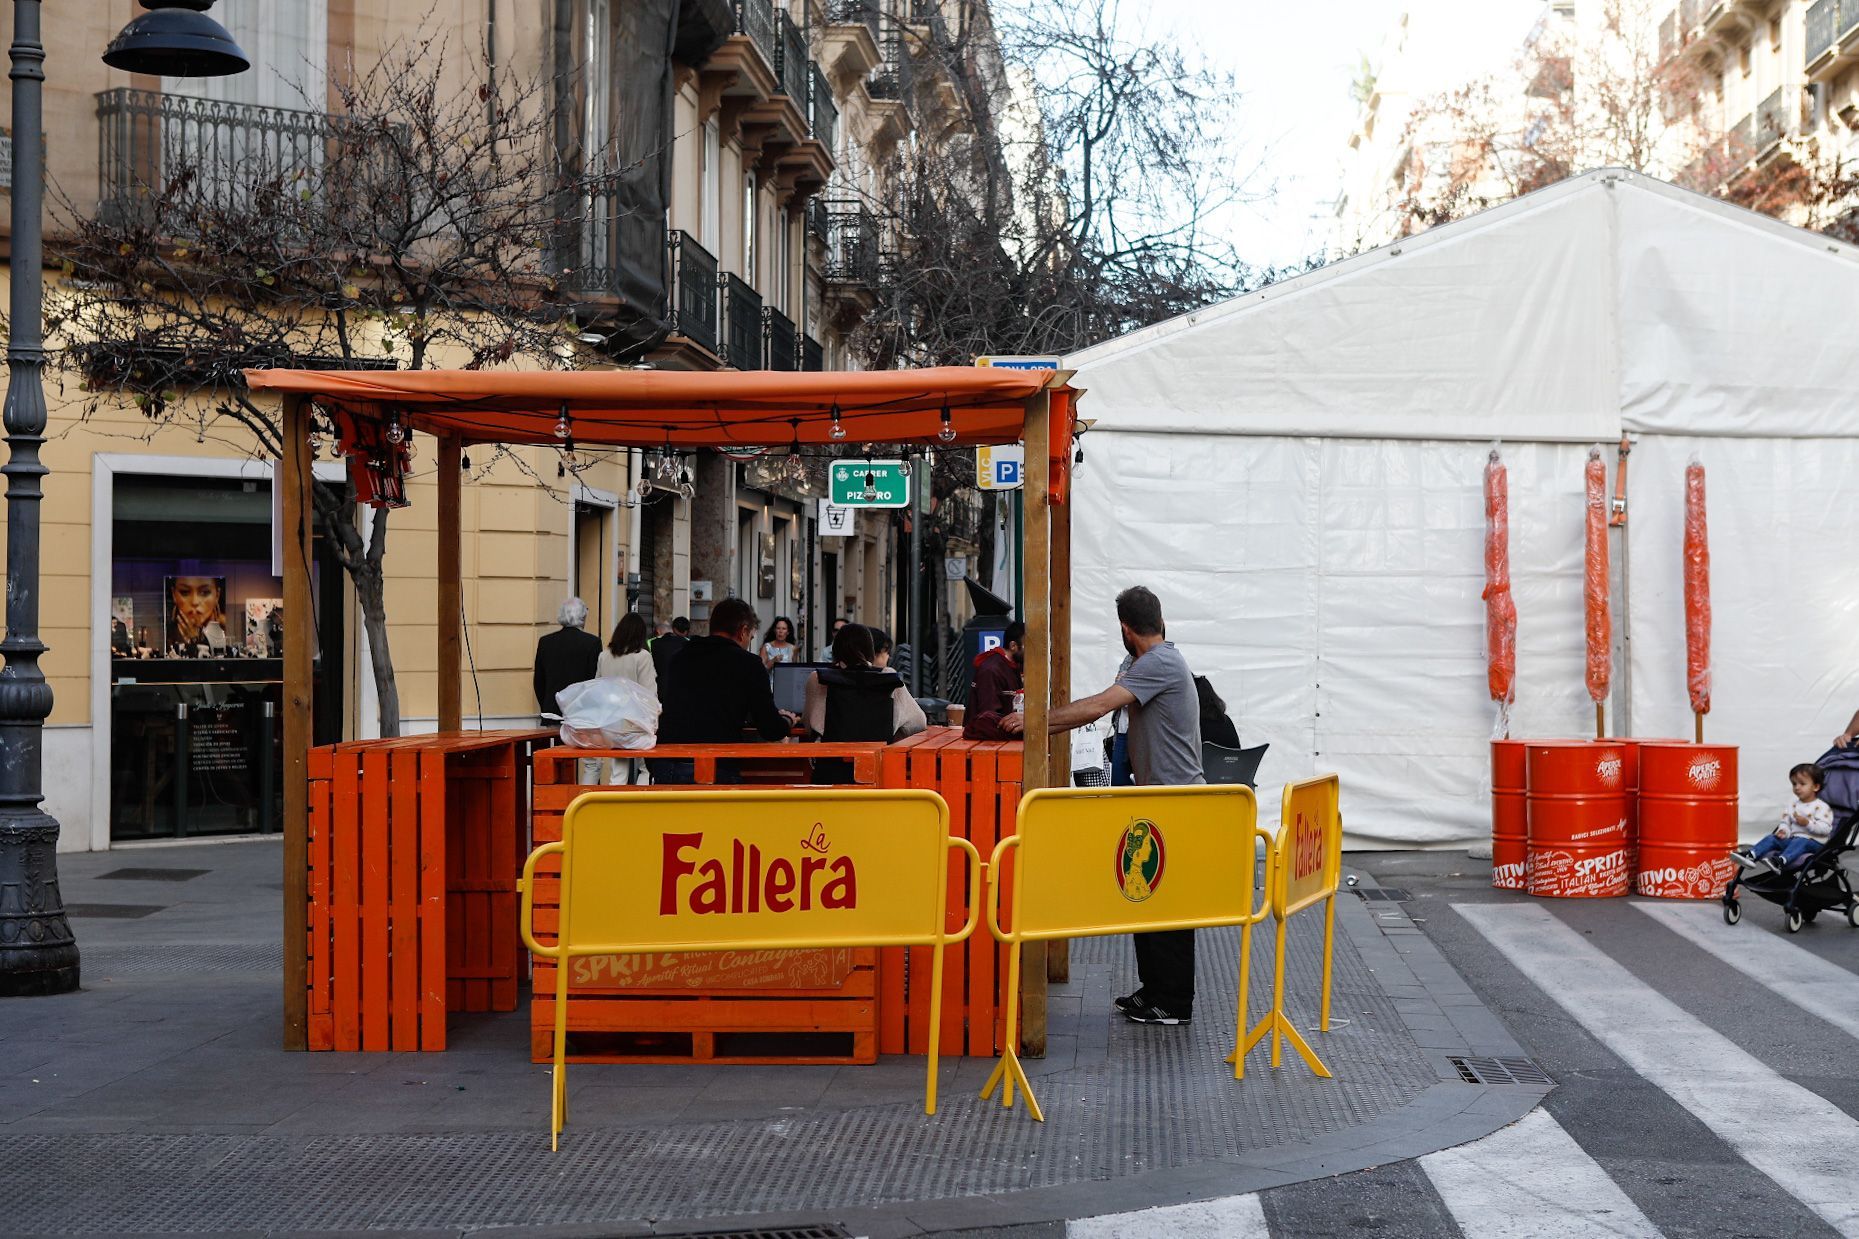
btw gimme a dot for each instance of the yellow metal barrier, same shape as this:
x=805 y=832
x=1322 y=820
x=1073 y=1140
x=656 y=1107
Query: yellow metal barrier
x=752 y=871
x=1091 y=861
x=1309 y=851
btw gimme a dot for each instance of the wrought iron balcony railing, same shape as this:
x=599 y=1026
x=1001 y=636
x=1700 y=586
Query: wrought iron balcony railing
x=1691 y=14
x=1740 y=141
x=856 y=13
x=150 y=143
x=816 y=218
x=693 y=290
x=812 y=356
x=792 y=68
x=780 y=347
x=756 y=19
x=824 y=112
x=851 y=245
x=740 y=322
x=1828 y=22
x=1773 y=122
x=893 y=78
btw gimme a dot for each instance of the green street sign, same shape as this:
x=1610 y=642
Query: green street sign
x=870 y=484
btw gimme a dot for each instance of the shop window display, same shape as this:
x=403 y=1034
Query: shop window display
x=196 y=639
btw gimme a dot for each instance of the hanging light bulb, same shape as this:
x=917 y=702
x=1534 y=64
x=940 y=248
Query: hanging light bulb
x=464 y=462
x=838 y=432
x=947 y=433
x=562 y=429
x=871 y=488
x=395 y=433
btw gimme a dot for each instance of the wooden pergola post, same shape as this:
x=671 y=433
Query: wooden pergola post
x=451 y=609
x=299 y=510
x=1039 y=666
x=1058 y=771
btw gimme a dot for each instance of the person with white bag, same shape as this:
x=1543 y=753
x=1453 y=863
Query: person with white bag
x=626 y=658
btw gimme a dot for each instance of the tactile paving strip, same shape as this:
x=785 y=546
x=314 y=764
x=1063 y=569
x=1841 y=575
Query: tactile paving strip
x=1149 y=1098
x=183 y=959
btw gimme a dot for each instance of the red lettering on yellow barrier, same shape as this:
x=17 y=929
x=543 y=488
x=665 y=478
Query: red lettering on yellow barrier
x=746 y=885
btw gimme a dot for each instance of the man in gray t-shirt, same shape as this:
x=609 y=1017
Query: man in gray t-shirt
x=1157 y=690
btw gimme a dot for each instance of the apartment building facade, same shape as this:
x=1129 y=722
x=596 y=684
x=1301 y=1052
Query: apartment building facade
x=1733 y=98
x=767 y=240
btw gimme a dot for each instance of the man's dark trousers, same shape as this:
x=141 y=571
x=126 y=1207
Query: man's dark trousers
x=1164 y=961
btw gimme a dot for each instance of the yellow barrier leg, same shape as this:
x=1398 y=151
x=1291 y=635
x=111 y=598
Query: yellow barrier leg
x=1238 y=1057
x=1289 y=1032
x=935 y=1028
x=558 y=1100
x=1278 y=992
x=1000 y=1075
x=1329 y=944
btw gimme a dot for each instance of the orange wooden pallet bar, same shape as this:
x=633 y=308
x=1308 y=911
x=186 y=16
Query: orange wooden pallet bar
x=414 y=848
x=809 y=1006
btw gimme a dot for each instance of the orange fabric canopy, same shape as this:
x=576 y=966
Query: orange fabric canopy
x=688 y=409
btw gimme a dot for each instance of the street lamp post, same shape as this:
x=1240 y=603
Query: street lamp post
x=38 y=953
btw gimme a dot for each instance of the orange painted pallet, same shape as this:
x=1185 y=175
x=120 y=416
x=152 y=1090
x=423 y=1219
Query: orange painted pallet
x=777 y=1021
x=415 y=845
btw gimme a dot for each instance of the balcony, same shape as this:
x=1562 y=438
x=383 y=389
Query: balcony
x=850 y=39
x=780 y=346
x=693 y=291
x=1832 y=38
x=812 y=356
x=1776 y=121
x=893 y=85
x=147 y=139
x=793 y=71
x=816 y=219
x=851 y=244
x=823 y=112
x=740 y=317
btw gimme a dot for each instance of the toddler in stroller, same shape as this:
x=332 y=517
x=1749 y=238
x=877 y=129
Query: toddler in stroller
x=1806 y=876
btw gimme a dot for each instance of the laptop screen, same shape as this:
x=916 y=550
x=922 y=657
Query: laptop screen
x=790 y=684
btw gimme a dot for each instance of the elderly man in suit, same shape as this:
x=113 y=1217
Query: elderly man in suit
x=566 y=656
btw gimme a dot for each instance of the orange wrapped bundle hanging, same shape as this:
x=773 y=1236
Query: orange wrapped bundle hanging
x=1600 y=624
x=1500 y=608
x=1697 y=592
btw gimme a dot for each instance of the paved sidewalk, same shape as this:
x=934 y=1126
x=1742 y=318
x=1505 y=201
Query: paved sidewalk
x=156 y=1099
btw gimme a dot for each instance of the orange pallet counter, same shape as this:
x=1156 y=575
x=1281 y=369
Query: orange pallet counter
x=1688 y=816
x=415 y=845
x=1577 y=807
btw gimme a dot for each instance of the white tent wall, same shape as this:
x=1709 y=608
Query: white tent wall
x=1298 y=474
x=1784 y=601
x=1331 y=590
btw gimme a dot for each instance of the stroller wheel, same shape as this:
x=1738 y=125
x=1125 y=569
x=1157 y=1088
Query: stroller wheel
x=1732 y=911
x=1852 y=916
x=1794 y=921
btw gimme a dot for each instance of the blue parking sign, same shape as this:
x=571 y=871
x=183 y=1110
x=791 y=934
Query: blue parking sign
x=1006 y=473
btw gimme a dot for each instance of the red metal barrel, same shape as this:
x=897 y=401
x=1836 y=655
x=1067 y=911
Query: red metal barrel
x=1687 y=819
x=1508 y=830
x=1576 y=817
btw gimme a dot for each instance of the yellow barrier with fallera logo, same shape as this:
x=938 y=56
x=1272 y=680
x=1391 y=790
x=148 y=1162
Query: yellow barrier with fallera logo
x=748 y=871
x=1091 y=861
x=1309 y=848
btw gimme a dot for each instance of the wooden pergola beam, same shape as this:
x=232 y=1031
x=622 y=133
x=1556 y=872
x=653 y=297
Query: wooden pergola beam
x=451 y=607
x=1038 y=584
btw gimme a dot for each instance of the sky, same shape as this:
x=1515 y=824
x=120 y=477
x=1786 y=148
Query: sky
x=1296 y=63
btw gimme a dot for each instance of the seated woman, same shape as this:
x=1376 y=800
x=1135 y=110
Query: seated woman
x=854 y=700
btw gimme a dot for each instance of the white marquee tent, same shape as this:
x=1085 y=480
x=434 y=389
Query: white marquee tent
x=1298 y=474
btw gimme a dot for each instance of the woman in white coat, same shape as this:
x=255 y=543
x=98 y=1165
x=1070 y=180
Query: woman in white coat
x=627 y=658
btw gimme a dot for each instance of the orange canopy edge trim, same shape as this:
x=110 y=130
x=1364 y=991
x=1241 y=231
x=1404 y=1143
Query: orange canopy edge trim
x=683 y=409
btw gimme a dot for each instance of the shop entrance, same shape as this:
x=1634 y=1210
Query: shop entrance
x=196 y=658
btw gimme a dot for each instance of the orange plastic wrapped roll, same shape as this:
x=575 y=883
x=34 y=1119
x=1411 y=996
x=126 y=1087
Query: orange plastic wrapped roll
x=1697 y=592
x=1599 y=622
x=1500 y=608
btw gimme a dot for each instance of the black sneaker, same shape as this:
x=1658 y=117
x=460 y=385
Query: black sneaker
x=1131 y=1002
x=1149 y=1013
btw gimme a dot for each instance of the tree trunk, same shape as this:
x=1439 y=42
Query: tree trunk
x=370 y=593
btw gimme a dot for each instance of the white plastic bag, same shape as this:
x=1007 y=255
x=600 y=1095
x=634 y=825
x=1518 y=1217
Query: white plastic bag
x=609 y=713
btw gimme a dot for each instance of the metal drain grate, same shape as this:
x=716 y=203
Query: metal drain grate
x=822 y=1230
x=152 y=875
x=113 y=911
x=1391 y=894
x=1499 y=1071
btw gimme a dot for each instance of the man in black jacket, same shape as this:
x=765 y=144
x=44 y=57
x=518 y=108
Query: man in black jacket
x=665 y=647
x=713 y=690
x=566 y=656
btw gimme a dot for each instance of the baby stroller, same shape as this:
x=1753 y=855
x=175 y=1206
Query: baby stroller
x=1816 y=883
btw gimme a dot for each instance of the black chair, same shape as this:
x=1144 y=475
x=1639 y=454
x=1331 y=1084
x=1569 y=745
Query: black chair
x=1224 y=765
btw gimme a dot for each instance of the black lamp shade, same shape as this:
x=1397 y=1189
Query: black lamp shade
x=176 y=42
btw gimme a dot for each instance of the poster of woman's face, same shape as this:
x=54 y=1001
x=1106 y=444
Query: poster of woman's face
x=193 y=603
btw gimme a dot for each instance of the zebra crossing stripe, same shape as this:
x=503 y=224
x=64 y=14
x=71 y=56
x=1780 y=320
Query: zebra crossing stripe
x=1532 y=1181
x=1234 y=1217
x=1815 y=985
x=1811 y=1154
